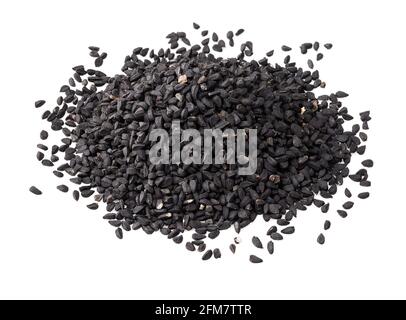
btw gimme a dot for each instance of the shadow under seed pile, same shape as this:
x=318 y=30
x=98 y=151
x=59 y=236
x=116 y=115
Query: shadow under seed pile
x=303 y=149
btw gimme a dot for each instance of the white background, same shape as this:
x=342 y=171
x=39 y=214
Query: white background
x=52 y=247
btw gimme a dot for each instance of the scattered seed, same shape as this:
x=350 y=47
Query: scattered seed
x=270 y=247
x=63 y=188
x=347 y=193
x=43 y=135
x=93 y=206
x=39 y=103
x=327 y=225
x=232 y=248
x=217 y=253
x=363 y=195
x=207 y=255
x=348 y=205
x=35 y=191
x=368 y=163
x=321 y=239
x=257 y=242
x=255 y=259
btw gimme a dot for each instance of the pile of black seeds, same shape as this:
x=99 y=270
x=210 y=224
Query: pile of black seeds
x=303 y=148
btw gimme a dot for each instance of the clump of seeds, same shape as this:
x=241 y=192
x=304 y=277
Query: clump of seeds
x=303 y=148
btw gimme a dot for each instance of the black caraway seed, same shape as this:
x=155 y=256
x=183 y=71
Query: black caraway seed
x=217 y=253
x=348 y=205
x=190 y=246
x=368 y=163
x=76 y=195
x=43 y=135
x=327 y=225
x=347 y=193
x=342 y=213
x=39 y=103
x=270 y=247
x=232 y=248
x=363 y=195
x=93 y=206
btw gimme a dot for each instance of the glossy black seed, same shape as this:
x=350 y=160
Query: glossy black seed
x=217 y=253
x=348 y=205
x=286 y=48
x=35 y=190
x=255 y=259
x=214 y=234
x=43 y=135
x=321 y=239
x=39 y=103
x=319 y=56
x=363 y=195
x=93 y=206
x=204 y=33
x=207 y=255
x=196 y=26
x=232 y=248
x=257 y=242
x=63 y=188
x=215 y=37
x=347 y=193
x=368 y=163
x=327 y=225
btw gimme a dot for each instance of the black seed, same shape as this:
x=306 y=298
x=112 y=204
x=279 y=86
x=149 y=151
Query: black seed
x=76 y=195
x=270 y=247
x=47 y=163
x=257 y=242
x=270 y=53
x=93 y=206
x=214 y=234
x=316 y=46
x=255 y=259
x=119 y=233
x=286 y=48
x=201 y=247
x=217 y=253
x=288 y=230
x=310 y=64
x=189 y=246
x=39 y=103
x=321 y=239
x=58 y=174
x=98 y=62
x=348 y=205
x=341 y=94
x=215 y=37
x=368 y=163
x=319 y=56
x=35 y=190
x=196 y=26
x=328 y=46
x=347 y=193
x=232 y=248
x=178 y=239
x=43 y=135
x=207 y=255
x=204 y=33
x=327 y=225
x=62 y=188
x=276 y=236
x=365 y=183
x=363 y=195
x=325 y=208
x=239 y=31
x=342 y=213
x=40 y=156
x=361 y=150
